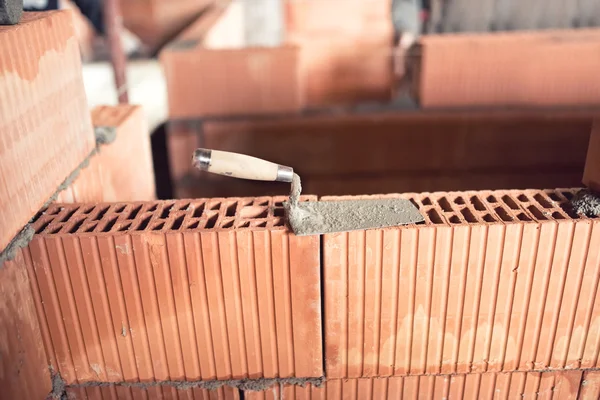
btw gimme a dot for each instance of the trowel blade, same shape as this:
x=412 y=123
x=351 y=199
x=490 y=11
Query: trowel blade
x=319 y=217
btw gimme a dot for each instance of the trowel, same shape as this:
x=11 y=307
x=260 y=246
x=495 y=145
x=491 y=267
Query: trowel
x=310 y=217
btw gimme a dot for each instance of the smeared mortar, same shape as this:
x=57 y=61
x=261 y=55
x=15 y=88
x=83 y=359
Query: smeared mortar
x=587 y=202
x=317 y=217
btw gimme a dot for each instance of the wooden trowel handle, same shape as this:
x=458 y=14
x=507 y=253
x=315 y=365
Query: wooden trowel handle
x=240 y=166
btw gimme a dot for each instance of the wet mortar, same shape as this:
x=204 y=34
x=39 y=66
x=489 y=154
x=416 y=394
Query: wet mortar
x=587 y=202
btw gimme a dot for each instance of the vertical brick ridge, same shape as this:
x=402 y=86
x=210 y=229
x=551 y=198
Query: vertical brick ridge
x=175 y=290
x=492 y=281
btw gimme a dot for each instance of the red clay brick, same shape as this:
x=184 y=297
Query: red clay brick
x=590 y=386
x=560 y=385
x=591 y=173
x=151 y=393
x=494 y=281
x=509 y=69
x=195 y=289
x=158 y=21
x=210 y=72
x=346 y=59
x=45 y=123
x=122 y=170
x=25 y=373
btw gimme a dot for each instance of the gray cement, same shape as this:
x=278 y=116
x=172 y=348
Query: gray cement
x=255 y=385
x=105 y=134
x=10 y=11
x=587 y=202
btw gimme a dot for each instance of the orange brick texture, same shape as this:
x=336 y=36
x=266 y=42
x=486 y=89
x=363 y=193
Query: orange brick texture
x=591 y=174
x=189 y=290
x=44 y=120
x=209 y=75
x=151 y=393
x=494 y=281
x=24 y=372
x=414 y=152
x=533 y=69
x=516 y=385
x=122 y=170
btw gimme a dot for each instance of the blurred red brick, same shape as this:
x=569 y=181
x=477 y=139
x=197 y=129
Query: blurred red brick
x=544 y=68
x=122 y=170
x=44 y=119
x=210 y=72
x=158 y=21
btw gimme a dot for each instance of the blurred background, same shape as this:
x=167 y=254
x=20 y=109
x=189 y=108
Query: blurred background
x=359 y=96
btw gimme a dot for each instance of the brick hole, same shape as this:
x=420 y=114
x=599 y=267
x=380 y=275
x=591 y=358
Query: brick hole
x=260 y=224
x=166 y=211
x=459 y=200
x=88 y=210
x=279 y=222
x=134 y=212
x=557 y=215
x=468 y=214
x=537 y=213
x=568 y=209
x=199 y=210
x=76 y=227
x=491 y=199
x=41 y=228
x=144 y=224
x=177 y=223
x=91 y=228
x=426 y=201
x=568 y=195
x=523 y=217
x=211 y=222
x=37 y=216
x=230 y=212
x=489 y=218
x=477 y=203
x=110 y=224
x=279 y=212
x=278 y=204
x=215 y=206
x=159 y=226
x=228 y=224
x=69 y=215
x=554 y=197
x=434 y=216
x=243 y=224
x=503 y=214
x=254 y=212
x=120 y=209
x=56 y=230
x=101 y=214
x=543 y=201
x=193 y=225
x=523 y=199
x=125 y=227
x=185 y=207
x=445 y=204
x=153 y=208
x=510 y=202
x=454 y=220
x=262 y=203
x=414 y=203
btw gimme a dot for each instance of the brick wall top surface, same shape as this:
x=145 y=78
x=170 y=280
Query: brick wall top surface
x=113 y=116
x=45 y=123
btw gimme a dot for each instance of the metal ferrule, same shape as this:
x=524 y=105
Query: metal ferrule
x=201 y=158
x=284 y=174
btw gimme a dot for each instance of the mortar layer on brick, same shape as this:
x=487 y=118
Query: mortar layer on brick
x=187 y=290
x=567 y=385
x=494 y=281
